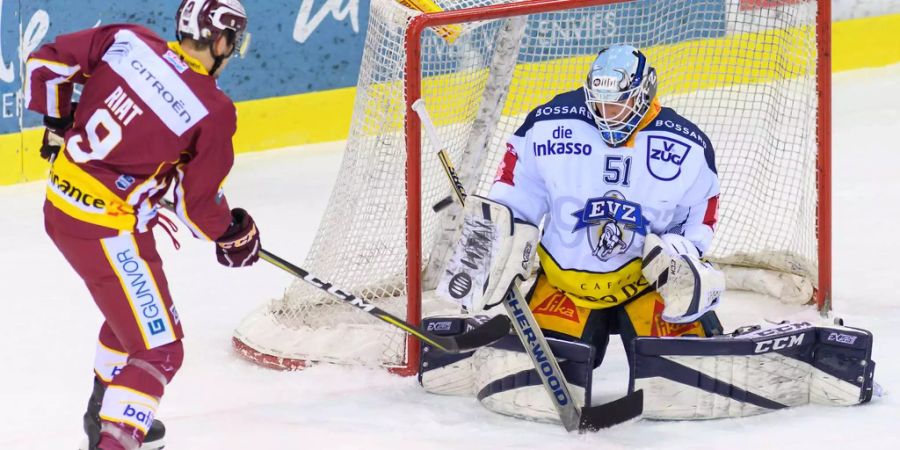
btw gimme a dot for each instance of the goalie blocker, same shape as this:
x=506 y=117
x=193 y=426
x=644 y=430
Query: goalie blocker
x=492 y=251
x=753 y=371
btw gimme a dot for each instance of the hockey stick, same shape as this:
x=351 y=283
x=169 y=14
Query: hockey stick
x=546 y=365
x=482 y=335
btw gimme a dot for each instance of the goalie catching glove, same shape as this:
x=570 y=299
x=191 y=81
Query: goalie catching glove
x=688 y=286
x=492 y=251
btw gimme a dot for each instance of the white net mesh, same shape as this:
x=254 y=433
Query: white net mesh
x=744 y=74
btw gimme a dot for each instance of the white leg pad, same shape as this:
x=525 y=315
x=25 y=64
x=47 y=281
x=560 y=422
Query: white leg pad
x=455 y=378
x=782 y=366
x=529 y=402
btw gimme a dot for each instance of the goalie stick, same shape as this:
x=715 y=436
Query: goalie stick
x=484 y=334
x=591 y=418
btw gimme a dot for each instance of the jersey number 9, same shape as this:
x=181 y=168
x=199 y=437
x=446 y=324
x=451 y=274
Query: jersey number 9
x=100 y=147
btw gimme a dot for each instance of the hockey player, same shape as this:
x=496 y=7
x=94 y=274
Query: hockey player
x=151 y=116
x=626 y=192
x=613 y=176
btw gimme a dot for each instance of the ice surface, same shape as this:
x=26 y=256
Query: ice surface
x=219 y=401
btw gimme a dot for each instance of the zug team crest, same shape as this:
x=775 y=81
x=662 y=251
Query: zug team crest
x=612 y=223
x=665 y=156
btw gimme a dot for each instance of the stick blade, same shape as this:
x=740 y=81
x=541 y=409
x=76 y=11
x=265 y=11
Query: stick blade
x=613 y=413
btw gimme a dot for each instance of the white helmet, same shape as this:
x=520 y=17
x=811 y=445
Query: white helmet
x=620 y=75
x=206 y=20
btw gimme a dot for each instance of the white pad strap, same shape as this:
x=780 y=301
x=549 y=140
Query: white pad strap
x=491 y=252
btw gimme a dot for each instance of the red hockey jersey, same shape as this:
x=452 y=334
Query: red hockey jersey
x=149 y=116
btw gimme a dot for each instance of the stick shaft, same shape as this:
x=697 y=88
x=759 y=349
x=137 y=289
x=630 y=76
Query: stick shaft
x=545 y=364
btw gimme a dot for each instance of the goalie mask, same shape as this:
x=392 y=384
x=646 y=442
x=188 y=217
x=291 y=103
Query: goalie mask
x=619 y=89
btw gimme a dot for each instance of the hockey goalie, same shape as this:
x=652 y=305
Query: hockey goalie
x=617 y=195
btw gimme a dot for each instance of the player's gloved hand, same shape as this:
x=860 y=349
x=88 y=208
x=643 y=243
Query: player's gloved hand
x=239 y=246
x=54 y=131
x=688 y=285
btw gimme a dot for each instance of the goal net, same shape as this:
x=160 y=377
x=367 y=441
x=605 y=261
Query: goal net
x=745 y=71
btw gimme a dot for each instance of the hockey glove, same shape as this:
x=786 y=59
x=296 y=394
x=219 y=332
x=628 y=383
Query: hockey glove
x=688 y=286
x=239 y=246
x=492 y=251
x=54 y=134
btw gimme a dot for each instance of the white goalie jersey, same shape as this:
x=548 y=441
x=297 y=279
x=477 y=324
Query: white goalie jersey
x=599 y=202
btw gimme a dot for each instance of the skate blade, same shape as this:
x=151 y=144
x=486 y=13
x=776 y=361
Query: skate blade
x=156 y=445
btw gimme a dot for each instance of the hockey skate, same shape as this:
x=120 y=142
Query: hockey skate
x=154 y=440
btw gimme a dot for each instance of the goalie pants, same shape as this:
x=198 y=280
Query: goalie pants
x=139 y=348
x=559 y=317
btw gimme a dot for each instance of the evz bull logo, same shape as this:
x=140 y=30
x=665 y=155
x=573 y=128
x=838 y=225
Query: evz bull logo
x=665 y=156
x=612 y=223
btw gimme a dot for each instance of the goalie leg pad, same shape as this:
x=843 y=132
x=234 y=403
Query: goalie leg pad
x=445 y=373
x=763 y=370
x=507 y=383
x=845 y=372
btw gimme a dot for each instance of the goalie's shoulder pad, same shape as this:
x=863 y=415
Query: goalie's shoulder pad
x=757 y=370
